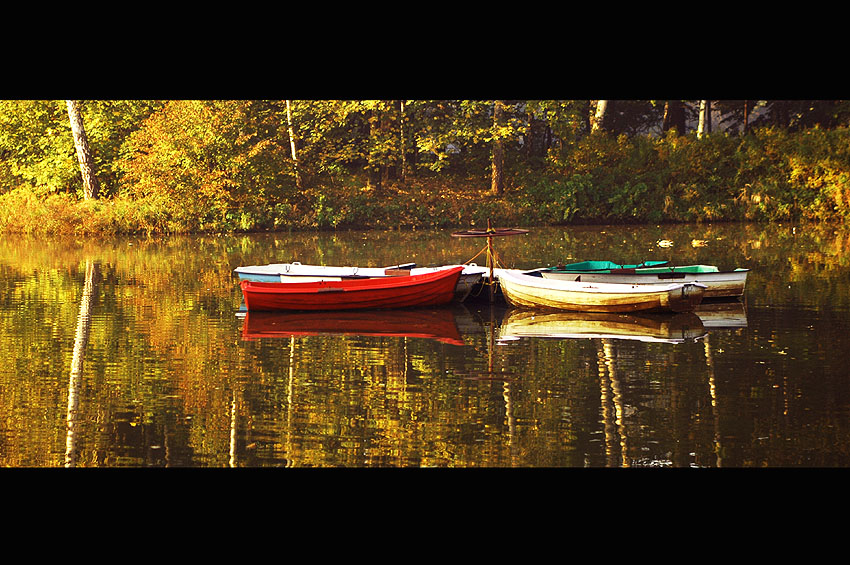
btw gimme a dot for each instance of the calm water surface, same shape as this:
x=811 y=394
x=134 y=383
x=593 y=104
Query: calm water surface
x=134 y=352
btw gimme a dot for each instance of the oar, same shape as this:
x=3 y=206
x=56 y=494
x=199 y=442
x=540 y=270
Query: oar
x=401 y=267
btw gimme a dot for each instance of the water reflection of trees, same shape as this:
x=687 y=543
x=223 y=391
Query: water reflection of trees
x=168 y=381
x=81 y=338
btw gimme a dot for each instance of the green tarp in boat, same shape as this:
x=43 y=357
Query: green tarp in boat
x=648 y=267
x=604 y=266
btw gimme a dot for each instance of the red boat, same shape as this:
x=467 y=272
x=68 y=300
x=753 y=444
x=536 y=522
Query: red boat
x=429 y=289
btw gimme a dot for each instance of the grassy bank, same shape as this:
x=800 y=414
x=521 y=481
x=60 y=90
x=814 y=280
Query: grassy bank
x=768 y=175
x=410 y=206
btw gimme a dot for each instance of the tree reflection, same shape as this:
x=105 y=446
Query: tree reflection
x=81 y=338
x=157 y=374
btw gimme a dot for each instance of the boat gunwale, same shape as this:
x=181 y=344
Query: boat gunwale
x=521 y=278
x=348 y=285
x=428 y=289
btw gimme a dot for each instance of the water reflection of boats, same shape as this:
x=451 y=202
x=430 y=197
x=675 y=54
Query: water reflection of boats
x=725 y=315
x=431 y=323
x=666 y=328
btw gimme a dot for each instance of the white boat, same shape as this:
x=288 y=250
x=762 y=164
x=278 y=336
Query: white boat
x=534 y=291
x=719 y=284
x=297 y=272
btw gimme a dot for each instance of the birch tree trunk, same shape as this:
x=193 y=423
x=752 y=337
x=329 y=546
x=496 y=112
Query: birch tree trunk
x=91 y=187
x=496 y=180
x=704 y=118
x=599 y=115
x=292 y=144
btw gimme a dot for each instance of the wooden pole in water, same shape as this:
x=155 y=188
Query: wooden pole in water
x=490 y=259
x=490 y=233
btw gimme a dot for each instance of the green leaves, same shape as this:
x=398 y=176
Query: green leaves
x=227 y=164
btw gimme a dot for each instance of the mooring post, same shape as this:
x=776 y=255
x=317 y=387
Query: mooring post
x=490 y=259
x=490 y=233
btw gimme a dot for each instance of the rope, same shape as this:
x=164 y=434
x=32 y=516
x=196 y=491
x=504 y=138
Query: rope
x=480 y=290
x=496 y=263
x=496 y=260
x=476 y=255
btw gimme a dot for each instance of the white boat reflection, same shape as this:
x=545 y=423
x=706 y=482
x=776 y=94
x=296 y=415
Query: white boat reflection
x=662 y=328
x=722 y=315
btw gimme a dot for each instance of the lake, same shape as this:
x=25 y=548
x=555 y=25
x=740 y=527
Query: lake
x=135 y=352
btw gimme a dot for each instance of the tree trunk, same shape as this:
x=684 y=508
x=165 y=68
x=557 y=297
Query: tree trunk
x=674 y=116
x=704 y=118
x=373 y=167
x=746 y=116
x=599 y=116
x=496 y=180
x=292 y=144
x=403 y=173
x=91 y=187
x=388 y=168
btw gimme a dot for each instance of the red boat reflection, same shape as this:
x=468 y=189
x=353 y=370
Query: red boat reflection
x=429 y=323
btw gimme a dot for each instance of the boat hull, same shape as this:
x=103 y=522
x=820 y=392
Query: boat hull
x=429 y=289
x=530 y=291
x=298 y=273
x=718 y=284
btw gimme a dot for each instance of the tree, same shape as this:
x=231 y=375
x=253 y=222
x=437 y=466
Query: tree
x=498 y=157
x=704 y=118
x=794 y=115
x=209 y=160
x=36 y=147
x=674 y=116
x=630 y=117
x=563 y=121
x=382 y=142
x=292 y=144
x=598 y=119
x=91 y=187
x=402 y=144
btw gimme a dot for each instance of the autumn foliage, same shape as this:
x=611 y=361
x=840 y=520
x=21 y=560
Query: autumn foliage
x=223 y=166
